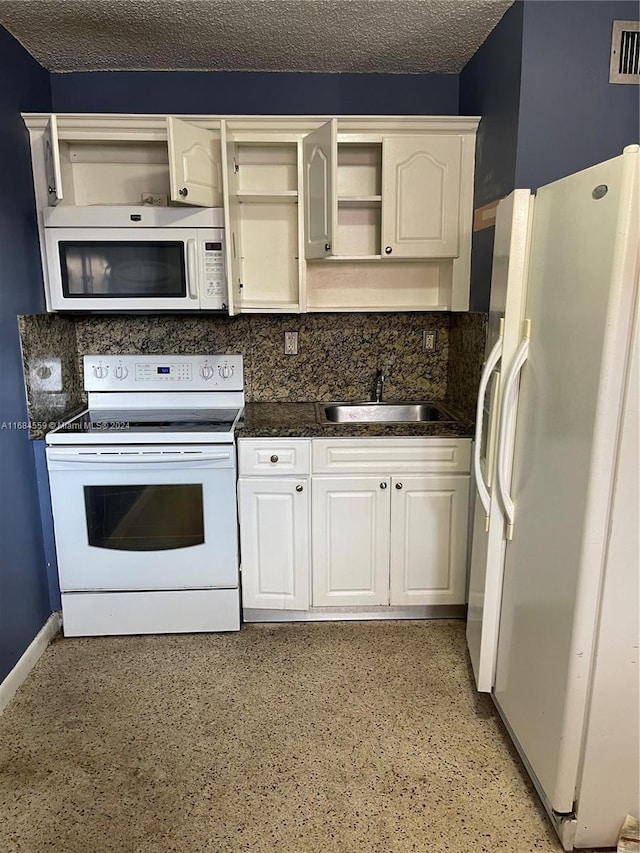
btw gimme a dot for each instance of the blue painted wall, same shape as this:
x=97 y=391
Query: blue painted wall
x=490 y=87
x=571 y=117
x=255 y=93
x=541 y=83
x=24 y=603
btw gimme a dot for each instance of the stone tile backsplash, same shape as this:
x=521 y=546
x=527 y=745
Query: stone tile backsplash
x=338 y=354
x=467 y=337
x=158 y=334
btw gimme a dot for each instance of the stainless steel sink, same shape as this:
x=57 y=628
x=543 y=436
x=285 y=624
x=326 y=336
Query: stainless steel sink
x=393 y=412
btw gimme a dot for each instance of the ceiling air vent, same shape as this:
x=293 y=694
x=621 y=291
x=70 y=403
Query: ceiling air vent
x=625 y=52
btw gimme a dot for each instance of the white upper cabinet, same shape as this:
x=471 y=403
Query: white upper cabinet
x=394 y=197
x=129 y=161
x=52 y=168
x=355 y=213
x=402 y=211
x=231 y=220
x=421 y=196
x=195 y=164
x=262 y=175
x=319 y=158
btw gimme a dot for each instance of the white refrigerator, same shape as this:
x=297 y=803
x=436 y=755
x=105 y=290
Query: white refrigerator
x=553 y=629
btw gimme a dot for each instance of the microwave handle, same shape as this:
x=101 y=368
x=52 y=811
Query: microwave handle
x=192 y=269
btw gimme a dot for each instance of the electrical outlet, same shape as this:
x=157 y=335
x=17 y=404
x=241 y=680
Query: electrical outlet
x=153 y=199
x=291 y=343
x=429 y=341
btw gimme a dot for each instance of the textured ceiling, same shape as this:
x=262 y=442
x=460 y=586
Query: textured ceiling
x=392 y=36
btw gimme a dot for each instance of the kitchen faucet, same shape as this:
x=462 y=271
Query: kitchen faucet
x=378 y=388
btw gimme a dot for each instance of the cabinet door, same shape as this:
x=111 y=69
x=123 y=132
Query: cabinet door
x=274 y=543
x=319 y=154
x=350 y=524
x=52 y=168
x=429 y=521
x=231 y=219
x=195 y=164
x=421 y=196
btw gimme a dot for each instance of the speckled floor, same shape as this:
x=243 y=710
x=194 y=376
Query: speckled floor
x=309 y=738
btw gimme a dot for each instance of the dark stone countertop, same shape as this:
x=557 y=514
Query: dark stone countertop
x=48 y=421
x=298 y=420
x=269 y=420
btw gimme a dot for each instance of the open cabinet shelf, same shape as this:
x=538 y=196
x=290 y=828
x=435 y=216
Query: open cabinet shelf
x=184 y=167
x=360 y=201
x=286 y=196
x=348 y=284
x=265 y=224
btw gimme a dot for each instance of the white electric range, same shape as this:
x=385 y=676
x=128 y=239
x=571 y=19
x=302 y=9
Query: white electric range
x=143 y=491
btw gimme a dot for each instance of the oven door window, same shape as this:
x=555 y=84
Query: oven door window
x=122 y=269
x=144 y=518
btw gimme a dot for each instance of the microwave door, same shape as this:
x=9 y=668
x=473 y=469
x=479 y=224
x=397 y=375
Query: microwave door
x=122 y=270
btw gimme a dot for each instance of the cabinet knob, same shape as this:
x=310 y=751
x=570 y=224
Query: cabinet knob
x=383 y=485
x=274 y=458
x=184 y=192
x=327 y=247
x=388 y=250
x=299 y=488
x=398 y=485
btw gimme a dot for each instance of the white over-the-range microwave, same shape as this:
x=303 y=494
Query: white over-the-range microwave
x=135 y=259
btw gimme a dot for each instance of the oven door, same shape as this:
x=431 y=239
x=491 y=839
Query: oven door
x=123 y=269
x=144 y=518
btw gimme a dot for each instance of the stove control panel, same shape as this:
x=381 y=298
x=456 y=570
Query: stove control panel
x=163 y=372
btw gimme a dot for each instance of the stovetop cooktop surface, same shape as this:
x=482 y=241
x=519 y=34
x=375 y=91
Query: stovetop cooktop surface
x=137 y=421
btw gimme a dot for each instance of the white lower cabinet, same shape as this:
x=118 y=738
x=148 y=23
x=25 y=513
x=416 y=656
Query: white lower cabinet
x=350 y=524
x=274 y=503
x=274 y=543
x=353 y=522
x=389 y=540
x=428 y=550
x=389 y=521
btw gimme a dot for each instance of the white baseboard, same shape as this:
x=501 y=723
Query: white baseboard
x=29 y=659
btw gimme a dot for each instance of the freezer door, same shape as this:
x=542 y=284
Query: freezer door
x=513 y=222
x=581 y=283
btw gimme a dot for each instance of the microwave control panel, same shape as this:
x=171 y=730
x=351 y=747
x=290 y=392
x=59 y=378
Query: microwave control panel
x=214 y=278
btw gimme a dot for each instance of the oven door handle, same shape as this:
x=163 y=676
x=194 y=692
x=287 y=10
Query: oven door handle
x=139 y=458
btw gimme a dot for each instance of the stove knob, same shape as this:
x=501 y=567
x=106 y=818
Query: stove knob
x=120 y=371
x=100 y=371
x=206 y=371
x=225 y=371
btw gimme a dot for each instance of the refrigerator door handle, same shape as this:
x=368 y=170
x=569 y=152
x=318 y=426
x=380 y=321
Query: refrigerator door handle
x=506 y=420
x=494 y=357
